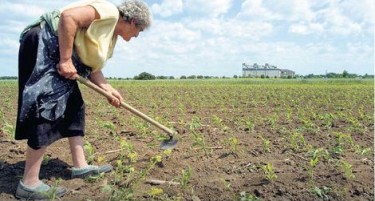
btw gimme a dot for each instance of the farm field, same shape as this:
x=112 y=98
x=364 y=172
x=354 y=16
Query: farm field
x=239 y=139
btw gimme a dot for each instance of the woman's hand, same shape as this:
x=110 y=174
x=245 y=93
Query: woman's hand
x=98 y=79
x=67 y=70
x=117 y=98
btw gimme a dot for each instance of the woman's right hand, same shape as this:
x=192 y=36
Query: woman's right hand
x=67 y=70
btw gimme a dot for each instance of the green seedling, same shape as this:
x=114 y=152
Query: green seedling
x=361 y=150
x=52 y=193
x=46 y=159
x=266 y=144
x=155 y=192
x=9 y=129
x=233 y=144
x=321 y=193
x=198 y=137
x=218 y=122
x=185 y=177
x=314 y=160
x=110 y=126
x=343 y=141
x=297 y=141
x=90 y=152
x=269 y=173
x=247 y=197
x=249 y=125
x=272 y=120
x=346 y=168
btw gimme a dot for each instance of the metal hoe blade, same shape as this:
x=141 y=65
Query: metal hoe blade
x=168 y=144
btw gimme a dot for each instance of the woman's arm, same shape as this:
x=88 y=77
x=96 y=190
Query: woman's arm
x=99 y=79
x=70 y=21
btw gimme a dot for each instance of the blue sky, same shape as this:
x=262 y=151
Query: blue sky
x=214 y=37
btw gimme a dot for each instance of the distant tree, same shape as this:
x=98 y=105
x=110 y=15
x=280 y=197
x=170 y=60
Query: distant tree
x=144 y=76
x=8 y=78
x=345 y=74
x=171 y=77
x=183 y=77
x=192 y=77
x=235 y=76
x=162 y=77
x=262 y=76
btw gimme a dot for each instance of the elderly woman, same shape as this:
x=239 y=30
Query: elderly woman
x=74 y=41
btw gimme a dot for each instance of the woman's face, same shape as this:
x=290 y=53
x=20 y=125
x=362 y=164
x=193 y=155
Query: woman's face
x=127 y=30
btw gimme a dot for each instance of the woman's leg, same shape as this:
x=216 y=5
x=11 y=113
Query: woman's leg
x=34 y=158
x=77 y=150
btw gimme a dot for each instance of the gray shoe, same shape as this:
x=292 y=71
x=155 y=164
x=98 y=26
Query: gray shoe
x=90 y=170
x=41 y=192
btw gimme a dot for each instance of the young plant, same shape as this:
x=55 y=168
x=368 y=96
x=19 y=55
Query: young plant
x=46 y=159
x=322 y=193
x=272 y=120
x=314 y=160
x=342 y=141
x=266 y=144
x=198 y=137
x=155 y=192
x=185 y=177
x=297 y=141
x=218 y=122
x=269 y=173
x=8 y=129
x=233 y=142
x=249 y=126
x=346 y=168
x=110 y=126
x=362 y=150
x=90 y=152
x=247 y=197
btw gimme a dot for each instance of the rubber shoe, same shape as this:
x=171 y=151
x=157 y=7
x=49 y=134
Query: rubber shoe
x=90 y=170
x=41 y=192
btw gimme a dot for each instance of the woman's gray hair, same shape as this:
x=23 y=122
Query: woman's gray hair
x=136 y=10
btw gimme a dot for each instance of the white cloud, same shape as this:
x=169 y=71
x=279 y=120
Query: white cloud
x=9 y=46
x=257 y=11
x=359 y=11
x=301 y=11
x=212 y=8
x=235 y=29
x=214 y=37
x=19 y=9
x=304 y=29
x=167 y=8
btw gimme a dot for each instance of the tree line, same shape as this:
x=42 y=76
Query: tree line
x=149 y=76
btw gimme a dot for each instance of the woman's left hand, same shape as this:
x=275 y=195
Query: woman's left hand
x=98 y=78
x=117 y=98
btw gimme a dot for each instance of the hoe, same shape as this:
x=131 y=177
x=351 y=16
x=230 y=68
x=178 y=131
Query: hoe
x=166 y=144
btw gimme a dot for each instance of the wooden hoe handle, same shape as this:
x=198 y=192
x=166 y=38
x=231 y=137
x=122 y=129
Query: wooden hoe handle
x=125 y=105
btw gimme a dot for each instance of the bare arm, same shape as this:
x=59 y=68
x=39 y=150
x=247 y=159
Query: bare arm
x=70 y=21
x=99 y=79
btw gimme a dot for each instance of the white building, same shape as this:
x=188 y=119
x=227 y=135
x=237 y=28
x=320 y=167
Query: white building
x=265 y=71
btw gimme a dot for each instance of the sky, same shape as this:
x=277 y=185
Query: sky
x=215 y=37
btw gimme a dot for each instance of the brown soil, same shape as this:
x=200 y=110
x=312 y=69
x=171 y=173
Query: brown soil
x=221 y=174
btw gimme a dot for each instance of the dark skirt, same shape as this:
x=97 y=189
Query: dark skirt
x=50 y=107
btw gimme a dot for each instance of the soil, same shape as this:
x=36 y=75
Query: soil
x=221 y=174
